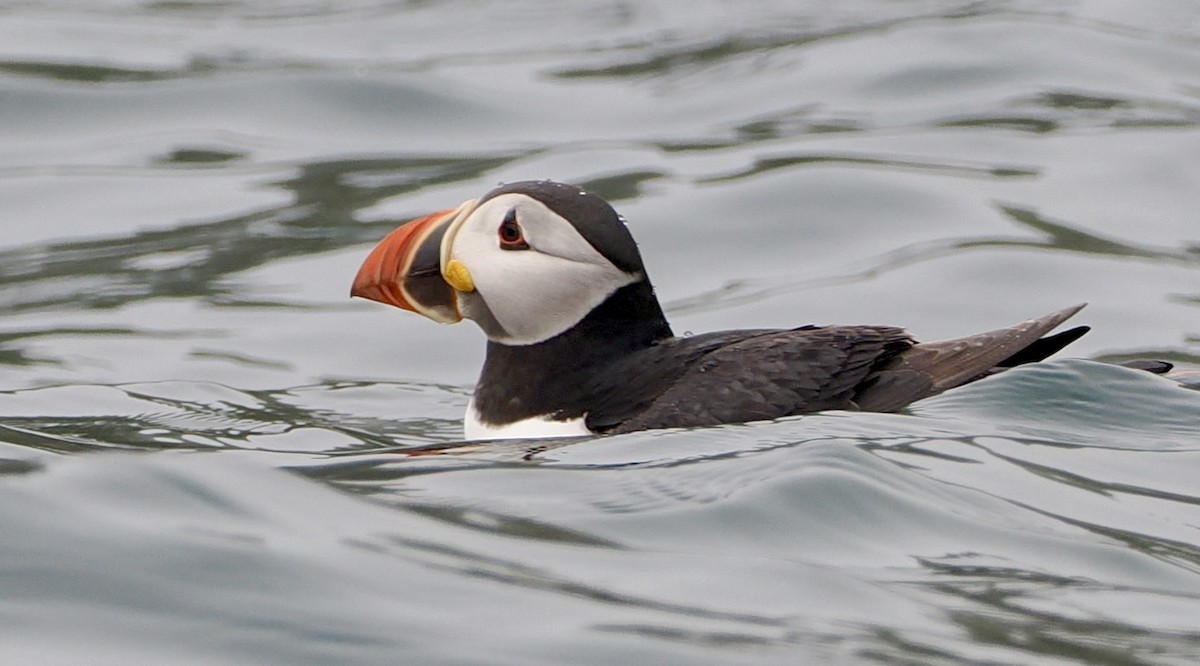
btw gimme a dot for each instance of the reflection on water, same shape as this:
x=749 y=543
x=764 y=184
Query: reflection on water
x=769 y=164
x=1056 y=236
x=204 y=416
x=1074 y=111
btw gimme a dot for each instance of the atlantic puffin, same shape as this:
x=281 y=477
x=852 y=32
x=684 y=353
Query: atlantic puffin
x=577 y=342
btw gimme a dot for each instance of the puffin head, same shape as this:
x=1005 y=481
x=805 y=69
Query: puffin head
x=526 y=262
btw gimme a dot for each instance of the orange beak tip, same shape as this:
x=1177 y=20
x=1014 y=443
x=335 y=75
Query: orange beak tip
x=383 y=273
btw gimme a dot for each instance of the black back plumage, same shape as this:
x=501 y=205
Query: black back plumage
x=623 y=383
x=738 y=376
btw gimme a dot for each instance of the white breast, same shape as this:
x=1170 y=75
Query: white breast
x=531 y=428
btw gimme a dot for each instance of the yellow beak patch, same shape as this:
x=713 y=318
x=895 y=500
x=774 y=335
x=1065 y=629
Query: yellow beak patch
x=457 y=276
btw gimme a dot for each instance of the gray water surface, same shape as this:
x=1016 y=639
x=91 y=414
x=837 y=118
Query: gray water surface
x=208 y=454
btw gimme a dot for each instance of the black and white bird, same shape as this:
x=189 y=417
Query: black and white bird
x=578 y=344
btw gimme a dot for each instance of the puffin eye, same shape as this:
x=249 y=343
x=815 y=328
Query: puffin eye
x=511 y=235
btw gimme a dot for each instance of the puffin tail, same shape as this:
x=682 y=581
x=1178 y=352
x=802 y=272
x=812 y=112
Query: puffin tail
x=929 y=368
x=1043 y=348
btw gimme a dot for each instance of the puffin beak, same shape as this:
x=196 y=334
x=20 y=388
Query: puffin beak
x=405 y=268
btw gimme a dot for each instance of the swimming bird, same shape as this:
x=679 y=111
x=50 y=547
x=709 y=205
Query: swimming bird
x=577 y=342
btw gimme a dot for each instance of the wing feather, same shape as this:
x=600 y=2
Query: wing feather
x=739 y=376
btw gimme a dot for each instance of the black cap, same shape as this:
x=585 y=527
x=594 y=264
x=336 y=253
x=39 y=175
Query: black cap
x=591 y=216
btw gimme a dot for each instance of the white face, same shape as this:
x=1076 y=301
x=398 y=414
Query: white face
x=524 y=296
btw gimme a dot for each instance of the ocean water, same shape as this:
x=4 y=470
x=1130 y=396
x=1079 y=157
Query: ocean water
x=209 y=454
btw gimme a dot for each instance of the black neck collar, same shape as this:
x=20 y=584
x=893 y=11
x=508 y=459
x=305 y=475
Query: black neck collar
x=558 y=377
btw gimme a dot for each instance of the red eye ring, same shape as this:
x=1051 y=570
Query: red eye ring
x=512 y=237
